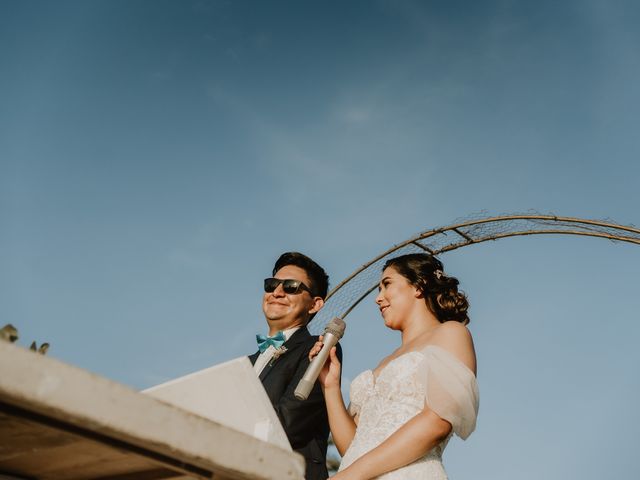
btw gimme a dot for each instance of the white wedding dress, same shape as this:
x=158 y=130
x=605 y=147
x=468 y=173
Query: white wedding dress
x=432 y=377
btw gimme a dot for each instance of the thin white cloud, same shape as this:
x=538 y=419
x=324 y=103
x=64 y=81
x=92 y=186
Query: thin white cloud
x=355 y=115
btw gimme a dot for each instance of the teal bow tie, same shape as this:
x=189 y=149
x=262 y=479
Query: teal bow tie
x=263 y=341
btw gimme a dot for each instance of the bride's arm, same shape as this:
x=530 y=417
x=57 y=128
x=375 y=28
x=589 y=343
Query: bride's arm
x=343 y=426
x=407 y=444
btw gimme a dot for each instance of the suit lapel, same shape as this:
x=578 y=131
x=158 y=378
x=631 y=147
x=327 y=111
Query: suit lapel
x=254 y=357
x=298 y=337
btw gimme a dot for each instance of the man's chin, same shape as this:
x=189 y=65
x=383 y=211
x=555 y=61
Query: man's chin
x=276 y=317
x=276 y=313
x=283 y=323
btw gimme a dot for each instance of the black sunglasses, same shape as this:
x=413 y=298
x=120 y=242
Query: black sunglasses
x=289 y=285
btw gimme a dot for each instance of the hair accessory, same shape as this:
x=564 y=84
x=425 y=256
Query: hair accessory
x=439 y=274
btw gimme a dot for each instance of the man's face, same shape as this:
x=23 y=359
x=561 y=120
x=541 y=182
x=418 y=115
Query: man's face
x=284 y=310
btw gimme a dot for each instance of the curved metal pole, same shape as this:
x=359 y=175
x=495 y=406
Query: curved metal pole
x=574 y=226
x=512 y=234
x=505 y=218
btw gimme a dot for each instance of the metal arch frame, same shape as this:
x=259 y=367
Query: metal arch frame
x=564 y=226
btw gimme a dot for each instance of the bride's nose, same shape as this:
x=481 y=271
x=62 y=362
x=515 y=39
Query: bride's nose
x=379 y=298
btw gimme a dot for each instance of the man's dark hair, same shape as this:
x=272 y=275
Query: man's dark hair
x=317 y=275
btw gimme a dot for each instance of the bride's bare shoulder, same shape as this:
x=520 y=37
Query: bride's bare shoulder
x=452 y=330
x=456 y=339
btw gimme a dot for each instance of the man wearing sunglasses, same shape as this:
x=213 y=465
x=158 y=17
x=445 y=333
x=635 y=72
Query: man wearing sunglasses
x=294 y=294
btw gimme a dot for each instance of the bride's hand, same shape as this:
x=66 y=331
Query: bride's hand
x=329 y=376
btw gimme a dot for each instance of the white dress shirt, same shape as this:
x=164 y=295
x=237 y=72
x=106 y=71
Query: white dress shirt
x=264 y=357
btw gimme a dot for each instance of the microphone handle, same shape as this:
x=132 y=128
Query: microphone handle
x=313 y=370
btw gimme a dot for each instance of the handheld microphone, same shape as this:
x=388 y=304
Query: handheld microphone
x=332 y=333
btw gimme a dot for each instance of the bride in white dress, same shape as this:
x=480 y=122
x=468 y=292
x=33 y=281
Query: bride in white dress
x=403 y=413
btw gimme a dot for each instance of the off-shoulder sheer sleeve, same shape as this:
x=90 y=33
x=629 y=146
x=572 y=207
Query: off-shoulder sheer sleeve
x=451 y=389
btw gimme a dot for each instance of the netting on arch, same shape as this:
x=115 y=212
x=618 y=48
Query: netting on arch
x=350 y=292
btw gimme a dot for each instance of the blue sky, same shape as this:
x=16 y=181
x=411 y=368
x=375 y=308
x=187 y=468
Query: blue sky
x=156 y=157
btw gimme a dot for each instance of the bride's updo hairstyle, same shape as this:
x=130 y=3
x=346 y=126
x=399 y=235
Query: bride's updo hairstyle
x=440 y=291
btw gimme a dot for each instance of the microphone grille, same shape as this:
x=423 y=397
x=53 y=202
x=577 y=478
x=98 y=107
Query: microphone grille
x=336 y=327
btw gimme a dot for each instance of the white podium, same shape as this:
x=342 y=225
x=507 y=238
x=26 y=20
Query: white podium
x=229 y=393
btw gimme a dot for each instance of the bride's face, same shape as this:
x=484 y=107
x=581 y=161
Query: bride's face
x=396 y=298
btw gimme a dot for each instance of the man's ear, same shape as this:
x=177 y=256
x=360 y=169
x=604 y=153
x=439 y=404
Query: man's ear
x=318 y=303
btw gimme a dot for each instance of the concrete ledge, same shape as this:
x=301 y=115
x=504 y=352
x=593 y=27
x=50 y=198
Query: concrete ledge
x=56 y=418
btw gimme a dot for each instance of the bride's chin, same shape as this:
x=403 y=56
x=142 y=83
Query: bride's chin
x=390 y=324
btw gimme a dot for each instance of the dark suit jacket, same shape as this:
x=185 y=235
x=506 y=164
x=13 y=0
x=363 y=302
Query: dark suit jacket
x=305 y=422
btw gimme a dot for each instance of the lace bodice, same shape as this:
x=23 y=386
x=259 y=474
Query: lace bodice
x=431 y=376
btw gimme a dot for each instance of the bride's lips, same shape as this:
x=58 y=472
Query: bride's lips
x=382 y=309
